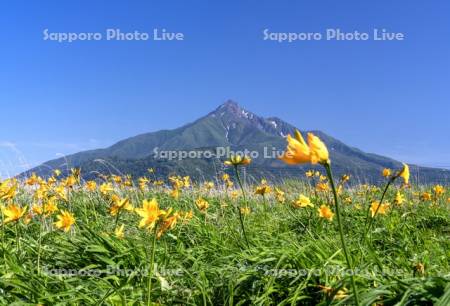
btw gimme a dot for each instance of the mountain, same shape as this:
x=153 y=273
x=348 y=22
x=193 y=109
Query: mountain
x=232 y=128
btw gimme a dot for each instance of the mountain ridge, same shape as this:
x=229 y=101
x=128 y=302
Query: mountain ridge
x=229 y=125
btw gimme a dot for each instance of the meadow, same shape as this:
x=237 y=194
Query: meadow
x=163 y=241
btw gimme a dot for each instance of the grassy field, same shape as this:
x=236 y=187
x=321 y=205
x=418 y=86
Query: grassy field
x=294 y=255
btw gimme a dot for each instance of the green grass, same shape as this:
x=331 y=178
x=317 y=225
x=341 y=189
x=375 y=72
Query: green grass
x=293 y=253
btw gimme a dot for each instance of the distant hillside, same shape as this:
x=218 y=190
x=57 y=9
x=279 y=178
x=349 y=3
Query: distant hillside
x=232 y=127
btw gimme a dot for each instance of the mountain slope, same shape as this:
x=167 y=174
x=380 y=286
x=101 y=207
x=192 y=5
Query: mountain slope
x=229 y=126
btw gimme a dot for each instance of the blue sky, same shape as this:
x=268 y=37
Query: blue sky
x=389 y=97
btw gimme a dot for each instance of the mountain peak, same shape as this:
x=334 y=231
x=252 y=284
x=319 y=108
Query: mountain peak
x=232 y=110
x=230 y=106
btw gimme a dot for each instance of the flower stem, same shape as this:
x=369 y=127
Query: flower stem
x=17 y=236
x=152 y=259
x=341 y=232
x=39 y=247
x=238 y=208
x=370 y=221
x=3 y=235
x=117 y=219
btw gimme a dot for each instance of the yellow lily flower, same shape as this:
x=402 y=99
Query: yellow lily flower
x=168 y=224
x=91 y=186
x=65 y=221
x=319 y=151
x=386 y=172
x=150 y=213
x=303 y=201
x=13 y=213
x=404 y=173
x=399 y=198
x=382 y=210
x=297 y=151
x=120 y=204
x=202 y=204
x=325 y=212
x=238 y=160
x=119 y=231
x=438 y=189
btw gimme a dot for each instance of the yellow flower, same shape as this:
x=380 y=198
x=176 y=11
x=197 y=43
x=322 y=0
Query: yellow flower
x=426 y=196
x=119 y=231
x=37 y=209
x=119 y=204
x=245 y=210
x=8 y=189
x=325 y=212
x=13 y=213
x=76 y=174
x=404 y=174
x=65 y=220
x=309 y=173
x=263 y=189
x=280 y=195
x=176 y=182
x=117 y=179
x=27 y=218
x=399 y=198
x=175 y=193
x=70 y=181
x=345 y=178
x=229 y=184
x=209 y=185
x=51 y=181
x=297 y=151
x=158 y=183
x=106 y=188
x=188 y=215
x=321 y=186
x=303 y=201
x=419 y=268
x=202 y=204
x=41 y=192
x=187 y=181
x=57 y=172
x=226 y=179
x=91 y=186
x=234 y=194
x=238 y=160
x=319 y=151
x=381 y=210
x=61 y=192
x=340 y=294
x=438 y=189
x=32 y=180
x=386 y=172
x=50 y=206
x=143 y=182
x=168 y=223
x=150 y=213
